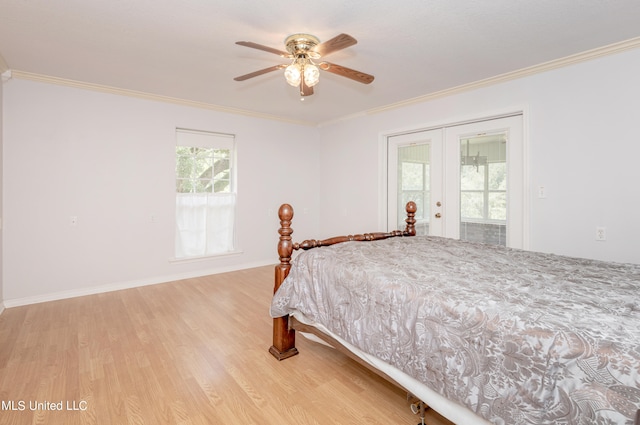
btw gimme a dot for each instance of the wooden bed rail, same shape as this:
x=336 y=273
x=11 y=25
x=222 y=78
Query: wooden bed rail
x=284 y=341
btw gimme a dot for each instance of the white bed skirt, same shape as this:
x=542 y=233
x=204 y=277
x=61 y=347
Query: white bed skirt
x=449 y=409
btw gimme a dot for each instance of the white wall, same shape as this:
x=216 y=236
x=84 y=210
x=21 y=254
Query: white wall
x=109 y=160
x=584 y=147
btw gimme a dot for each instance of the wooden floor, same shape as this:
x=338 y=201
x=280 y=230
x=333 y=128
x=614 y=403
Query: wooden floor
x=186 y=352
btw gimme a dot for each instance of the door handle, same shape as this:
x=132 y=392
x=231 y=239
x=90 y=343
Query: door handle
x=438 y=215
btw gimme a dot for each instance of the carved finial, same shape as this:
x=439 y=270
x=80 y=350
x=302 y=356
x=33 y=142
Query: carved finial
x=411 y=209
x=285 y=247
x=285 y=213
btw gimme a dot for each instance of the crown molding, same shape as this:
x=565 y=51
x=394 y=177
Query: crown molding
x=588 y=55
x=23 y=75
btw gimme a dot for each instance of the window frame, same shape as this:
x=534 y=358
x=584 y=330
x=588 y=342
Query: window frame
x=207 y=139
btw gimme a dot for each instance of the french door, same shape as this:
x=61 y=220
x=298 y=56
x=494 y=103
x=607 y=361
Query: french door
x=415 y=173
x=467 y=180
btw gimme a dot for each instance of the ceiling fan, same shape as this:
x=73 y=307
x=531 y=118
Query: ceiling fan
x=304 y=50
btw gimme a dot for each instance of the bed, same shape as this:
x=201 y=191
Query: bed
x=480 y=333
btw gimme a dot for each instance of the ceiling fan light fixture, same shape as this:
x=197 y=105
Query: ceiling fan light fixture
x=311 y=74
x=293 y=74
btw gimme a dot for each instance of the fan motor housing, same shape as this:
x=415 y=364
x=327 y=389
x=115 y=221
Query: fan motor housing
x=301 y=44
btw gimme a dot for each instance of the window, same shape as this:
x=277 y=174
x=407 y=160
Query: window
x=205 y=193
x=202 y=170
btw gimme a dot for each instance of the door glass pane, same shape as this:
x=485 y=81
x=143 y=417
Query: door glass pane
x=483 y=188
x=413 y=184
x=472 y=205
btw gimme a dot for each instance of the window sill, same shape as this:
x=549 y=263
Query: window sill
x=205 y=257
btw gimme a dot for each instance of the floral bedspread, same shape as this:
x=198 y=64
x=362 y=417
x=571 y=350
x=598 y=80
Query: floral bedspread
x=516 y=336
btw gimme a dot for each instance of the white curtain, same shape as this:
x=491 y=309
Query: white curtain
x=204 y=223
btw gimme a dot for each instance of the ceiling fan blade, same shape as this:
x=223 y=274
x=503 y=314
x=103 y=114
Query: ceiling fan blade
x=358 y=76
x=253 y=45
x=338 y=42
x=260 y=72
x=305 y=90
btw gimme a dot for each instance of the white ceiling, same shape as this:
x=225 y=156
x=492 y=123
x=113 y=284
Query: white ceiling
x=186 y=49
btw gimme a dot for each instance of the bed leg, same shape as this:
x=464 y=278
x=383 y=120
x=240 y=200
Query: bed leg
x=284 y=339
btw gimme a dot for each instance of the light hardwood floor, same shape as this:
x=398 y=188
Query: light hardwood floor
x=185 y=352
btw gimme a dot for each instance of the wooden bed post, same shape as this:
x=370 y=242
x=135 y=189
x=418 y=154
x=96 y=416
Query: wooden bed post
x=411 y=209
x=284 y=338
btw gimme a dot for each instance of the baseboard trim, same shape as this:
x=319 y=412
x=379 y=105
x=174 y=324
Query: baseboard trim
x=117 y=286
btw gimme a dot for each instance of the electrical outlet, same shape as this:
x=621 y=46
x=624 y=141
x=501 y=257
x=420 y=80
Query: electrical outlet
x=601 y=233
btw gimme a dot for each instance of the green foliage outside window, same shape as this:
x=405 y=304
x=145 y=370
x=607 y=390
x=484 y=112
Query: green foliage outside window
x=202 y=170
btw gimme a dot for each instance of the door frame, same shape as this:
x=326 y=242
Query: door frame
x=522 y=185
